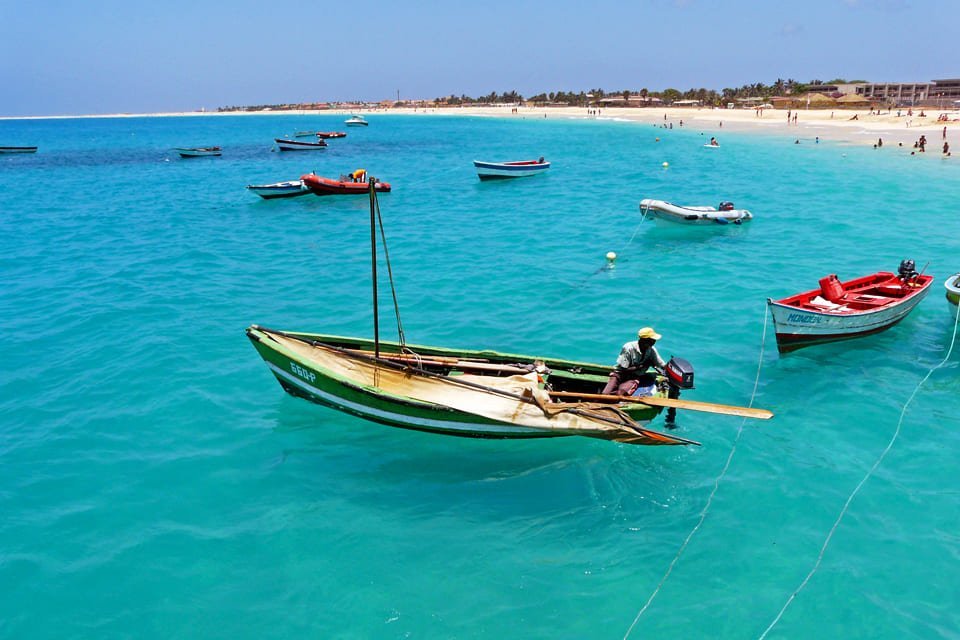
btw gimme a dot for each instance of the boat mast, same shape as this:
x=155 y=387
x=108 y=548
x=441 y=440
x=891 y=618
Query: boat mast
x=373 y=257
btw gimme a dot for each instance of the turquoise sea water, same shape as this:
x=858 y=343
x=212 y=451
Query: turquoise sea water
x=156 y=482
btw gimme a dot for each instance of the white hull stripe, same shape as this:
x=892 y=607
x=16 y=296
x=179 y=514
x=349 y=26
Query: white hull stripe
x=495 y=171
x=424 y=423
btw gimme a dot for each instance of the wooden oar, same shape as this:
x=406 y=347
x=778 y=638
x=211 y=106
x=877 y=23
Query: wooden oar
x=692 y=405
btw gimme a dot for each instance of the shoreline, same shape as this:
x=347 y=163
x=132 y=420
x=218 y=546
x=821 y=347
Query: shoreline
x=833 y=125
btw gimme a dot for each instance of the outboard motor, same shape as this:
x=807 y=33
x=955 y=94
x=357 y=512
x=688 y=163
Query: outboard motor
x=725 y=206
x=679 y=376
x=679 y=373
x=907 y=270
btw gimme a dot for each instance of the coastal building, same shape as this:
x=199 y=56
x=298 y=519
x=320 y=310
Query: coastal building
x=945 y=93
x=634 y=100
x=937 y=93
x=896 y=93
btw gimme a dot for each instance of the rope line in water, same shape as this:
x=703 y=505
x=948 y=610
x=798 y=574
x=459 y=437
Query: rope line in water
x=605 y=267
x=716 y=485
x=863 y=481
x=432 y=178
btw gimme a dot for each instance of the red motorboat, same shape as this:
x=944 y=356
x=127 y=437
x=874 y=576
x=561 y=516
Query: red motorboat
x=841 y=310
x=345 y=185
x=323 y=135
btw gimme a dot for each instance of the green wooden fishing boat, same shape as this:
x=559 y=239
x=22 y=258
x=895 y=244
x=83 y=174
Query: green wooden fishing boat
x=480 y=394
x=472 y=393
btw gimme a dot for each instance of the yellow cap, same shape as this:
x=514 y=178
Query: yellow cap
x=648 y=332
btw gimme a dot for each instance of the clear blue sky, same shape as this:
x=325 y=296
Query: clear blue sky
x=111 y=56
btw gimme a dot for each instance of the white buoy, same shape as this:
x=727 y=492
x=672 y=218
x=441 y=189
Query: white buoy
x=666 y=164
x=611 y=256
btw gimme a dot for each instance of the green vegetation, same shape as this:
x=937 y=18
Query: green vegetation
x=644 y=97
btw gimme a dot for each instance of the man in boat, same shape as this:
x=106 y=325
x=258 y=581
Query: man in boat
x=359 y=175
x=633 y=364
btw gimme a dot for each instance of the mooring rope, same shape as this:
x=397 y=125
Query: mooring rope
x=393 y=289
x=432 y=179
x=716 y=485
x=856 y=490
x=606 y=267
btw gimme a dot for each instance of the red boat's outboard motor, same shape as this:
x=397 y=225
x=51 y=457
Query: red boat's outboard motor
x=679 y=376
x=725 y=206
x=908 y=270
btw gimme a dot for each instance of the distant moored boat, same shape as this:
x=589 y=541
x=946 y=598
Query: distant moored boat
x=288 y=189
x=356 y=121
x=724 y=214
x=299 y=145
x=345 y=185
x=198 y=152
x=517 y=169
x=18 y=149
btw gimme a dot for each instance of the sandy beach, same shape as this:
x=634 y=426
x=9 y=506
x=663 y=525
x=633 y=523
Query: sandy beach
x=829 y=125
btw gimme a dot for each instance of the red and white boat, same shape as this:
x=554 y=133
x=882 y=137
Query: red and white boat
x=321 y=186
x=843 y=310
x=323 y=135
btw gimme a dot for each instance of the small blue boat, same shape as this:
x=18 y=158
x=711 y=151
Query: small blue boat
x=18 y=149
x=288 y=189
x=502 y=170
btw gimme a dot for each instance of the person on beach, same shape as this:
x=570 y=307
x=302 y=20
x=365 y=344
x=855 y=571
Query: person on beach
x=879 y=142
x=944 y=133
x=633 y=364
x=946 y=148
x=922 y=143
